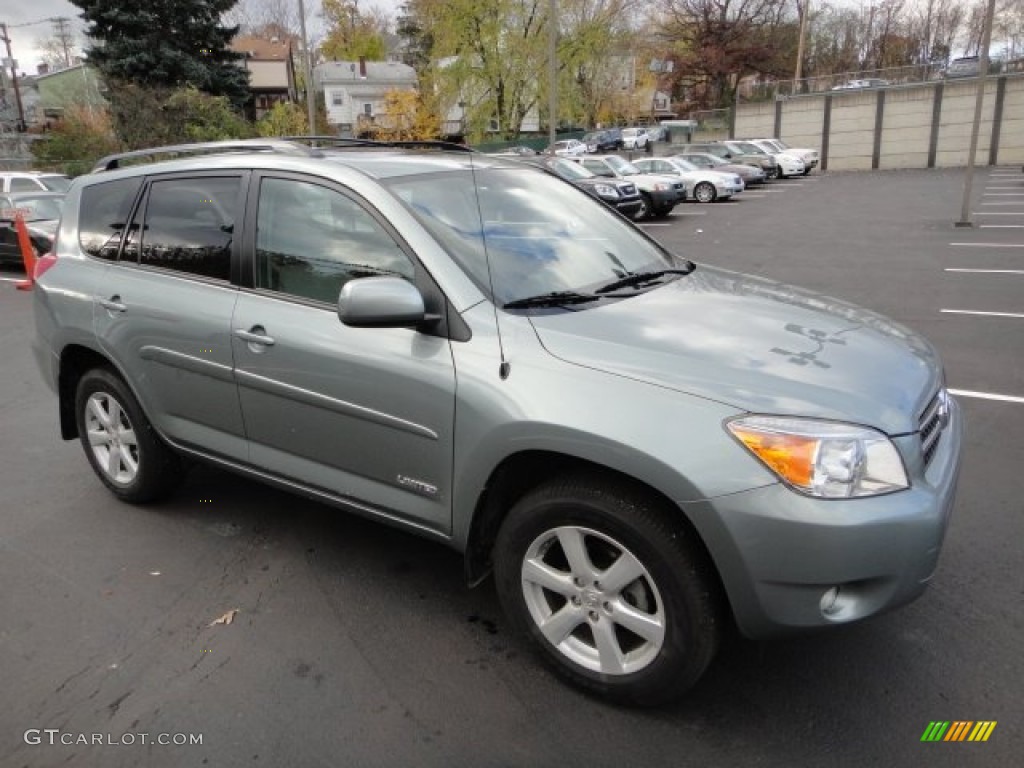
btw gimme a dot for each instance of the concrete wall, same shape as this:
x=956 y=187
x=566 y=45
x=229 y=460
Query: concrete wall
x=922 y=125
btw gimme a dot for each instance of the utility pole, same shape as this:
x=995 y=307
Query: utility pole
x=986 y=39
x=805 y=12
x=310 y=91
x=14 y=76
x=552 y=71
x=62 y=33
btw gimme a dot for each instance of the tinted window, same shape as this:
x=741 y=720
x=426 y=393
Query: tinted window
x=189 y=226
x=102 y=216
x=21 y=184
x=311 y=240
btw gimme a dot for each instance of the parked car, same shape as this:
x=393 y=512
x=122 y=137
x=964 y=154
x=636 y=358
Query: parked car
x=787 y=164
x=858 y=84
x=644 y=450
x=750 y=174
x=566 y=147
x=621 y=195
x=808 y=156
x=659 y=194
x=703 y=186
x=757 y=158
x=40 y=212
x=33 y=181
x=516 y=151
x=634 y=138
x=603 y=141
x=965 y=66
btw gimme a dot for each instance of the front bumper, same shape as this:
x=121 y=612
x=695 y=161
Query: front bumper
x=628 y=208
x=779 y=553
x=664 y=198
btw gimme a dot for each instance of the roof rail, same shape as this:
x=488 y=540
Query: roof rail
x=110 y=162
x=410 y=144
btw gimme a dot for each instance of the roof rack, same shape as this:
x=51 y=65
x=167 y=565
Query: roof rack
x=110 y=162
x=347 y=142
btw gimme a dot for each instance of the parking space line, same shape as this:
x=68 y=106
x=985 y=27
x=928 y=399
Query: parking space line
x=1001 y=226
x=986 y=271
x=654 y=224
x=12 y=279
x=1003 y=194
x=986 y=396
x=987 y=245
x=747 y=195
x=998 y=213
x=1000 y=202
x=978 y=312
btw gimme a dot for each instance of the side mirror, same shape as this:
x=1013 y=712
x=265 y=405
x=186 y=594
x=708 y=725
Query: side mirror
x=380 y=302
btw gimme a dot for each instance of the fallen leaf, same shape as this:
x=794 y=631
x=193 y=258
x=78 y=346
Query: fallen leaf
x=227 y=618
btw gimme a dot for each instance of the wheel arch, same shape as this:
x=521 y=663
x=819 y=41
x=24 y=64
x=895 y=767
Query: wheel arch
x=521 y=472
x=75 y=361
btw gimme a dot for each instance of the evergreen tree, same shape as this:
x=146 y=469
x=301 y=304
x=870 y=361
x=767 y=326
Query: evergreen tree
x=165 y=43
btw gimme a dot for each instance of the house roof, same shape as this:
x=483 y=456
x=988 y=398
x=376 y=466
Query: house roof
x=260 y=48
x=380 y=71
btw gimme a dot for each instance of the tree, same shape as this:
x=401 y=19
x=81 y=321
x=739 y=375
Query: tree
x=406 y=117
x=82 y=137
x=283 y=119
x=151 y=116
x=165 y=44
x=352 y=35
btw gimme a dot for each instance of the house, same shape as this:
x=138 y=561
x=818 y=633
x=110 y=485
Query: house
x=271 y=69
x=47 y=95
x=354 y=91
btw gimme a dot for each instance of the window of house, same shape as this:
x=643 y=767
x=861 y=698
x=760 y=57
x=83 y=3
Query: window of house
x=368 y=110
x=103 y=216
x=311 y=240
x=337 y=98
x=189 y=226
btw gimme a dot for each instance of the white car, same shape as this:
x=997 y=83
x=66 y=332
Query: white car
x=808 y=155
x=634 y=138
x=659 y=194
x=789 y=164
x=567 y=148
x=33 y=181
x=702 y=185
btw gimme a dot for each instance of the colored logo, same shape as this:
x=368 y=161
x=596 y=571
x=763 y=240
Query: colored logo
x=958 y=730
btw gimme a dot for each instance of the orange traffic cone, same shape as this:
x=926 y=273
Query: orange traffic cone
x=27 y=253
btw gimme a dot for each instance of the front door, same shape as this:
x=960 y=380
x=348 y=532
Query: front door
x=362 y=413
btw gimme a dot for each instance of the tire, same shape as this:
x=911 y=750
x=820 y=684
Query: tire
x=662 y=585
x=705 y=192
x=646 y=208
x=772 y=173
x=119 y=441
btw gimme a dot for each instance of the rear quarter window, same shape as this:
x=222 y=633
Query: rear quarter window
x=103 y=216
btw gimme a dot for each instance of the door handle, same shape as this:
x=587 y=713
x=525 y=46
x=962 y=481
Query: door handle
x=257 y=335
x=114 y=304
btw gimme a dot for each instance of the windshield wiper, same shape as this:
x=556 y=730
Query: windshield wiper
x=553 y=299
x=639 y=278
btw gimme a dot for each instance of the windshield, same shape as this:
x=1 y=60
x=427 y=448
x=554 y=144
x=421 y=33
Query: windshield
x=781 y=144
x=622 y=167
x=749 y=149
x=539 y=234
x=33 y=208
x=684 y=165
x=55 y=183
x=568 y=170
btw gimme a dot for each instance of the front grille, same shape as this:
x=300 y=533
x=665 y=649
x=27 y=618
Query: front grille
x=931 y=424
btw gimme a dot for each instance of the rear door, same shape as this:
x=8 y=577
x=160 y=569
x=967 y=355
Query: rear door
x=365 y=414
x=163 y=311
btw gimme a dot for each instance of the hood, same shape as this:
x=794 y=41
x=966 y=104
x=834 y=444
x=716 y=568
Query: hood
x=757 y=345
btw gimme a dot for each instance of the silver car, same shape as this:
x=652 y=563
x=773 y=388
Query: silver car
x=641 y=449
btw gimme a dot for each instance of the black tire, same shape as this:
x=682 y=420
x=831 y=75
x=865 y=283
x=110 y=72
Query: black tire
x=772 y=173
x=677 y=594
x=705 y=192
x=646 y=209
x=157 y=468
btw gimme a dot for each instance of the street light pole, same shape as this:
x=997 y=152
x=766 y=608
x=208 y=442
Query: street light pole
x=986 y=40
x=310 y=92
x=552 y=71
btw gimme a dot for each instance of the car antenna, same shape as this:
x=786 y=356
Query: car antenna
x=504 y=368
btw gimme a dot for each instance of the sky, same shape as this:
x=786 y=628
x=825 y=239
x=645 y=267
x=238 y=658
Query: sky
x=25 y=40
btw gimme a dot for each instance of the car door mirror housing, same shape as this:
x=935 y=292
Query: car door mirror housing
x=380 y=302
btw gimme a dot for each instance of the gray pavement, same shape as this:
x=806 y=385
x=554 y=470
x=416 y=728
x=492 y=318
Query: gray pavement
x=358 y=645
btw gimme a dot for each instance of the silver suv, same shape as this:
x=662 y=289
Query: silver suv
x=644 y=451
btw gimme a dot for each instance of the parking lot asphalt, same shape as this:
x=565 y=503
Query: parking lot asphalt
x=358 y=645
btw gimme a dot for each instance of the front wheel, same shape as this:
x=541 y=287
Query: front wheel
x=620 y=598
x=120 y=443
x=772 y=173
x=704 y=192
x=646 y=209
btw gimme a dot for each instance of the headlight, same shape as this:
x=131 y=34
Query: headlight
x=826 y=459
x=660 y=187
x=606 y=190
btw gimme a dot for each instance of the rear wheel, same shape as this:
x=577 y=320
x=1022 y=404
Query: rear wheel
x=120 y=443
x=620 y=599
x=705 y=192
